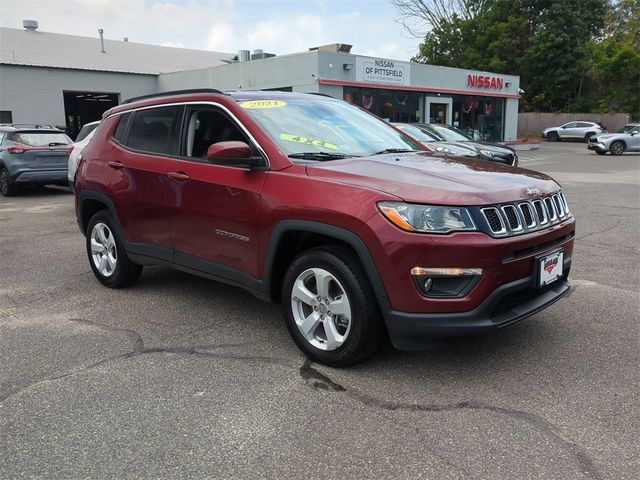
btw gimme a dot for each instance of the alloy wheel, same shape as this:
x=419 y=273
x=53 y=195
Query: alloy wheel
x=103 y=249
x=321 y=309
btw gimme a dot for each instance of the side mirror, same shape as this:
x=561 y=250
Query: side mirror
x=634 y=133
x=233 y=154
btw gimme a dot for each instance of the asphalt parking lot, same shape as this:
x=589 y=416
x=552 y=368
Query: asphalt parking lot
x=181 y=377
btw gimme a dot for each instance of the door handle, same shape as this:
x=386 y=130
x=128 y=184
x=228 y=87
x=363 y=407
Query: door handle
x=116 y=165
x=179 y=177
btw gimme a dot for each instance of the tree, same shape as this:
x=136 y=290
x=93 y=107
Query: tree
x=418 y=16
x=545 y=42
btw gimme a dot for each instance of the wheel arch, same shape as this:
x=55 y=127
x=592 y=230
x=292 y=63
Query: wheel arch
x=291 y=237
x=90 y=203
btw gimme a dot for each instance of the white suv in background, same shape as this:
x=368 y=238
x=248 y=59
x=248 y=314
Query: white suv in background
x=75 y=149
x=573 y=130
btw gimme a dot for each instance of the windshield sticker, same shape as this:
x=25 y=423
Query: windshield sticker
x=309 y=141
x=262 y=104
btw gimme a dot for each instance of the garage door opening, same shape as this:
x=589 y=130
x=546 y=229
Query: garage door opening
x=81 y=108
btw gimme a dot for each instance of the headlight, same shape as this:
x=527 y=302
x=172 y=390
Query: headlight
x=426 y=218
x=487 y=153
x=432 y=147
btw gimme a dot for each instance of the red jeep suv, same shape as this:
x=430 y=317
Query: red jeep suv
x=311 y=202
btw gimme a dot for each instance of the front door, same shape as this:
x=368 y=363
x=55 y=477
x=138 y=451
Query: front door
x=438 y=110
x=214 y=209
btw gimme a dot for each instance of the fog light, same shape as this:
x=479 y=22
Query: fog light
x=445 y=282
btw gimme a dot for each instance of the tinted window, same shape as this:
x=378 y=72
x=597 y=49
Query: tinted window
x=206 y=127
x=584 y=125
x=150 y=129
x=119 y=132
x=86 y=130
x=570 y=125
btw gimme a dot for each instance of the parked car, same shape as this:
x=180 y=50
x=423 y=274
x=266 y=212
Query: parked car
x=493 y=152
x=75 y=149
x=316 y=204
x=573 y=130
x=433 y=143
x=627 y=139
x=32 y=155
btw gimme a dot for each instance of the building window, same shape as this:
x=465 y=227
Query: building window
x=479 y=117
x=6 y=116
x=390 y=105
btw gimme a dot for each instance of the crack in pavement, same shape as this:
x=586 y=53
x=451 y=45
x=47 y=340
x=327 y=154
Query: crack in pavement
x=138 y=348
x=317 y=380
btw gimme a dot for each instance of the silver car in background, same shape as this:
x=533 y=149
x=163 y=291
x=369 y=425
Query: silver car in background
x=573 y=131
x=627 y=139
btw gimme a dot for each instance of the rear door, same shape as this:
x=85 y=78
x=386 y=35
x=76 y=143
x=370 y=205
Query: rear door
x=134 y=170
x=214 y=209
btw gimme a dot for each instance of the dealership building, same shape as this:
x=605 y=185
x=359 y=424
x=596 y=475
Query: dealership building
x=69 y=80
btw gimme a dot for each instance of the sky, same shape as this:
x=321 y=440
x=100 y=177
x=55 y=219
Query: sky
x=280 y=27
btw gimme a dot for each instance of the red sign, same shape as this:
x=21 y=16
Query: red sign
x=485 y=81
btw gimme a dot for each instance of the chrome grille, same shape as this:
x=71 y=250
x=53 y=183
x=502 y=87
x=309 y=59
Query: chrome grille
x=525 y=209
x=551 y=211
x=494 y=219
x=512 y=218
x=526 y=216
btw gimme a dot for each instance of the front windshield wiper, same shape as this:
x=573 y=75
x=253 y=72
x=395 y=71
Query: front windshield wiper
x=321 y=155
x=395 y=150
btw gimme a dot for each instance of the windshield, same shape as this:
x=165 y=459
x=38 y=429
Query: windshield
x=41 y=139
x=303 y=126
x=418 y=133
x=626 y=128
x=451 y=134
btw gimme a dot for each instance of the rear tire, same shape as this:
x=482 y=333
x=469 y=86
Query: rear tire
x=553 y=137
x=321 y=279
x=7 y=187
x=107 y=256
x=617 y=148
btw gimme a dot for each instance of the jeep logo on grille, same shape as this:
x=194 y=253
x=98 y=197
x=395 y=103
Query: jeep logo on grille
x=532 y=192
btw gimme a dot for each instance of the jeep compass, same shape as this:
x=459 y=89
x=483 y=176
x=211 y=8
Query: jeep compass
x=313 y=203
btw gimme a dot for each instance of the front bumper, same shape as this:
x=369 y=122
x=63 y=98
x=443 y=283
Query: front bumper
x=507 y=305
x=599 y=147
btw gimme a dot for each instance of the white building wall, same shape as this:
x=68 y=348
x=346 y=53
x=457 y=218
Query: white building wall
x=511 y=119
x=299 y=71
x=34 y=94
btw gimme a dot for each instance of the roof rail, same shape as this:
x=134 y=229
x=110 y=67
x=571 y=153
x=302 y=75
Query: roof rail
x=27 y=125
x=173 y=92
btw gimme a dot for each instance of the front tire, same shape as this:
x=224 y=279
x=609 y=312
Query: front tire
x=107 y=256
x=617 y=148
x=329 y=307
x=553 y=136
x=7 y=187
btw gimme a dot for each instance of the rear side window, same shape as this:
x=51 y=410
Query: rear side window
x=86 y=130
x=151 y=128
x=118 y=134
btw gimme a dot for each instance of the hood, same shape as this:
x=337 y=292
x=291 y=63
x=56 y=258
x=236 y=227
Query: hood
x=419 y=178
x=606 y=136
x=492 y=147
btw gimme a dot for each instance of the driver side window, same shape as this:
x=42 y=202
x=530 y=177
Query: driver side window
x=206 y=126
